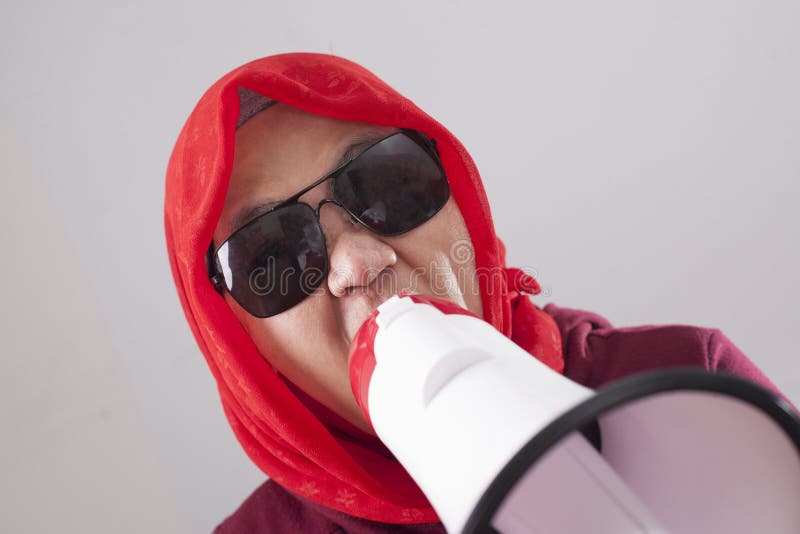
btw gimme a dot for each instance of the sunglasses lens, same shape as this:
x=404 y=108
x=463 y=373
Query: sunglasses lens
x=394 y=186
x=276 y=261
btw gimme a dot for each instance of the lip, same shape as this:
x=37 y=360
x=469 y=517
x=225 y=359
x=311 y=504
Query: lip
x=358 y=306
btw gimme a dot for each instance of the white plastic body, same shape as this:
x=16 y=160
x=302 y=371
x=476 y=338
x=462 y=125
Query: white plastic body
x=454 y=400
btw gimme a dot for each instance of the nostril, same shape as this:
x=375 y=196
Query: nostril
x=356 y=259
x=351 y=290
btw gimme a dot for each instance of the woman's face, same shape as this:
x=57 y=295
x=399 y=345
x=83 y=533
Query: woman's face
x=280 y=151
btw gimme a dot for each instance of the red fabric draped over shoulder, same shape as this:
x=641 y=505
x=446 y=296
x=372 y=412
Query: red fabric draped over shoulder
x=277 y=425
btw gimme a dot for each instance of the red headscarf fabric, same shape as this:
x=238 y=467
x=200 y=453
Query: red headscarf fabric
x=289 y=436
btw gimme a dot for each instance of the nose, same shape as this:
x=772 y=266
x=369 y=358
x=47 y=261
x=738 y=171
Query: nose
x=356 y=256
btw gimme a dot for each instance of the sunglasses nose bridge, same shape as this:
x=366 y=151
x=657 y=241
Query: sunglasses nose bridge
x=326 y=201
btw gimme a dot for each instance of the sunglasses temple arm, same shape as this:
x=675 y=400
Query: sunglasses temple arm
x=215 y=277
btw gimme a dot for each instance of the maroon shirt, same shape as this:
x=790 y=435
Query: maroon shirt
x=595 y=354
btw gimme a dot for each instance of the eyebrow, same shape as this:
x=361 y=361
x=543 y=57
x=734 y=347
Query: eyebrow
x=356 y=145
x=248 y=213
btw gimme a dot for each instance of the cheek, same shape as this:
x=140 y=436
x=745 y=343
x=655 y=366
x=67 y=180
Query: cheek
x=449 y=238
x=277 y=336
x=301 y=343
x=441 y=256
x=451 y=231
x=272 y=336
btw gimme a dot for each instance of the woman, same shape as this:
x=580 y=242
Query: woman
x=302 y=192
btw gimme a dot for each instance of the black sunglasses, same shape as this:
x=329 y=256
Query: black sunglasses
x=279 y=258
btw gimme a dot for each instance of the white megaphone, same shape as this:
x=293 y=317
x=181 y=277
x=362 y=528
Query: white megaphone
x=499 y=442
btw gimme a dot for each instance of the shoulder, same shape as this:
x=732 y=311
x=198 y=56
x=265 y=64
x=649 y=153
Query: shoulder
x=270 y=508
x=595 y=352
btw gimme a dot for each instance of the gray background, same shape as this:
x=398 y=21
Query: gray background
x=642 y=157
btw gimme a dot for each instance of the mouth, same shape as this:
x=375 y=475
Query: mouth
x=358 y=305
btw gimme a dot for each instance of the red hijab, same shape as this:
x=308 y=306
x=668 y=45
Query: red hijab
x=288 y=435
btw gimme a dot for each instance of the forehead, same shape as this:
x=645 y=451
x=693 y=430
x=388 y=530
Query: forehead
x=281 y=150
x=282 y=136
